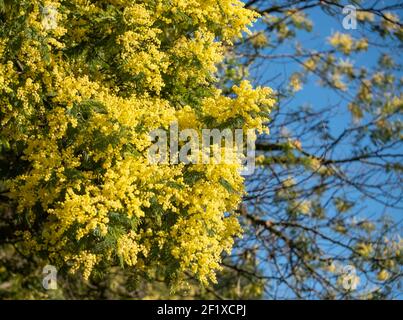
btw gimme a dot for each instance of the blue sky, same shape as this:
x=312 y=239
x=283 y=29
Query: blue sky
x=316 y=96
x=312 y=93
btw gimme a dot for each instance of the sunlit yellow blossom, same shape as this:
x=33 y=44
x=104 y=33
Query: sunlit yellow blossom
x=364 y=249
x=81 y=92
x=390 y=21
x=259 y=40
x=342 y=42
x=295 y=82
x=383 y=275
x=365 y=16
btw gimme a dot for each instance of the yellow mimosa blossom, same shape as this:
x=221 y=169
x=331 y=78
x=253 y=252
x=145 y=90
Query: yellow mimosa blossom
x=342 y=42
x=365 y=16
x=295 y=82
x=81 y=88
x=364 y=249
x=383 y=275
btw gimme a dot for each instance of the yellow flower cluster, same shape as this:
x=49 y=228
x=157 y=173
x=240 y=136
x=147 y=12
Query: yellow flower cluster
x=365 y=16
x=248 y=105
x=364 y=249
x=346 y=44
x=390 y=22
x=78 y=99
x=295 y=82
